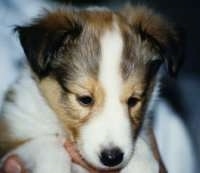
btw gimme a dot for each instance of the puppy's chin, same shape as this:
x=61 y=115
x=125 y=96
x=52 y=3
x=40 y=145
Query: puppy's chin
x=103 y=168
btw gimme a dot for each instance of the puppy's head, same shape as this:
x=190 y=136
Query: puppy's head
x=97 y=71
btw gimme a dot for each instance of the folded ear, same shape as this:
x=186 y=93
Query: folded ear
x=42 y=39
x=159 y=32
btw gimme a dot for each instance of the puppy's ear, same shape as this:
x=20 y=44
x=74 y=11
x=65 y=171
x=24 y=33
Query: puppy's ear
x=42 y=39
x=159 y=32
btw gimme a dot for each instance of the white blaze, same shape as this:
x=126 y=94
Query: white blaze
x=111 y=50
x=114 y=112
x=111 y=126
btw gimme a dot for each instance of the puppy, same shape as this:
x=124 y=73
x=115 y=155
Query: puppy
x=91 y=77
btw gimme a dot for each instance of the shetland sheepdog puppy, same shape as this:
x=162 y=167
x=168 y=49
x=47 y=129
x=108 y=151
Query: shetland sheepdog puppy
x=91 y=77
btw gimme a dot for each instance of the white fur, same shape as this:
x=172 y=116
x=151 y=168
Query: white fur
x=29 y=116
x=78 y=169
x=44 y=155
x=111 y=126
x=143 y=160
x=179 y=156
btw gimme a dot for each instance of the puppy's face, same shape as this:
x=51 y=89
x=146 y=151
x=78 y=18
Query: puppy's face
x=96 y=70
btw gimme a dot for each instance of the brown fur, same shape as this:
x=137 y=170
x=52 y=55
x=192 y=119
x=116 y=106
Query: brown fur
x=160 y=34
x=63 y=50
x=7 y=145
x=151 y=23
x=70 y=113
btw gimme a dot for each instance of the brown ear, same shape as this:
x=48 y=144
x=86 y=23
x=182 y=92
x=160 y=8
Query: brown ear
x=158 y=31
x=43 y=38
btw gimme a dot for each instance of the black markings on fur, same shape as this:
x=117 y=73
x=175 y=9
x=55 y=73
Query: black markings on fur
x=40 y=44
x=171 y=53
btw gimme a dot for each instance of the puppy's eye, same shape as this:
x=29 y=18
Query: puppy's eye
x=132 y=101
x=85 y=100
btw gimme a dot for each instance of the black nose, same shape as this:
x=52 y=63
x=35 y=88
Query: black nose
x=111 y=157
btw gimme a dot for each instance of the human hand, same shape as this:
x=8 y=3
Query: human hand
x=13 y=164
x=76 y=158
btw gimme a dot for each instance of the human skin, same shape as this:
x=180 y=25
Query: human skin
x=13 y=164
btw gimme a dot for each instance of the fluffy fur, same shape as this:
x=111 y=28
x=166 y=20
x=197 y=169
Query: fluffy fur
x=111 y=57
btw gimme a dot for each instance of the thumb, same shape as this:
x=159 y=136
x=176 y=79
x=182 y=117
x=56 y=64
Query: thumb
x=12 y=165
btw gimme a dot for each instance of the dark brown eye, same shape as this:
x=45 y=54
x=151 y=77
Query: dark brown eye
x=132 y=101
x=85 y=100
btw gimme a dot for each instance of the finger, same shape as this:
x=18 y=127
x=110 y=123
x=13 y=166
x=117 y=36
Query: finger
x=76 y=158
x=13 y=165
